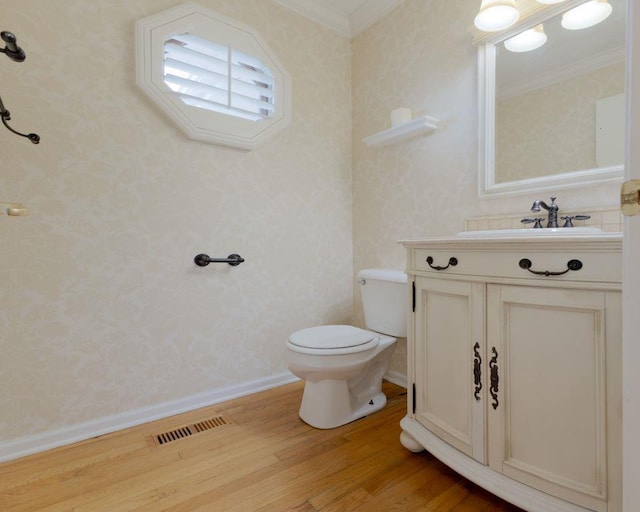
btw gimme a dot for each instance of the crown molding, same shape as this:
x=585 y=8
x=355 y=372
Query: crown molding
x=370 y=12
x=320 y=13
x=346 y=25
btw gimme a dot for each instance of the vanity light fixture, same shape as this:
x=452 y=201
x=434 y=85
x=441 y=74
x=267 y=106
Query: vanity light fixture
x=527 y=41
x=496 y=15
x=586 y=15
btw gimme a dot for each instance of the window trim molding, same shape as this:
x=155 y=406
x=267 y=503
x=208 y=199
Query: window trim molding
x=198 y=124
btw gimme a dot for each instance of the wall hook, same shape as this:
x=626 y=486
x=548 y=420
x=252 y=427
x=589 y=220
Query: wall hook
x=13 y=209
x=16 y=54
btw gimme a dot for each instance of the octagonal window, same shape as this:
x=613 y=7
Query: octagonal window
x=213 y=76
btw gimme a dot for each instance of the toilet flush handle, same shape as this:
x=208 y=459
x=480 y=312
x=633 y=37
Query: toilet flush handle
x=362 y=281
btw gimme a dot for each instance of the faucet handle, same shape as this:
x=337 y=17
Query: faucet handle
x=569 y=218
x=535 y=221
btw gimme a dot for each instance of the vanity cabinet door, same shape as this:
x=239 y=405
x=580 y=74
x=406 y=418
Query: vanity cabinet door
x=449 y=341
x=548 y=353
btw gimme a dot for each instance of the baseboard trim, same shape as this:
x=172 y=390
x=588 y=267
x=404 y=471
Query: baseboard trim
x=397 y=378
x=28 y=445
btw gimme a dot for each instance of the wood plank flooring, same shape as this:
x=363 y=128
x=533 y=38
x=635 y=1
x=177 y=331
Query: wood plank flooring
x=265 y=459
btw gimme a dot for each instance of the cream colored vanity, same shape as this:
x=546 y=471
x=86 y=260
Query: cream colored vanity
x=514 y=364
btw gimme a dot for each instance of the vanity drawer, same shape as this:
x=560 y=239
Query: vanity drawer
x=591 y=267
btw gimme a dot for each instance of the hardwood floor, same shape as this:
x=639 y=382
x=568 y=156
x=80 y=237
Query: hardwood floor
x=263 y=459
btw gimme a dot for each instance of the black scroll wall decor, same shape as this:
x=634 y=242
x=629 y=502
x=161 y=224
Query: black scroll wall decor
x=16 y=54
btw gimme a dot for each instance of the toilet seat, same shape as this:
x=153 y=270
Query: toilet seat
x=332 y=339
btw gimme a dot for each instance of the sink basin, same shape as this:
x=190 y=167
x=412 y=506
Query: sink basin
x=530 y=232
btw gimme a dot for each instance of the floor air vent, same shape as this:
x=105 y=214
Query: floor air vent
x=189 y=430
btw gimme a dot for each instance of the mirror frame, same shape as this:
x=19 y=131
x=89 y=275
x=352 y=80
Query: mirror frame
x=532 y=14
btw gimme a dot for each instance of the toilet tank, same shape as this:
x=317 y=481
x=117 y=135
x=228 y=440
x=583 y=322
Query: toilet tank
x=384 y=299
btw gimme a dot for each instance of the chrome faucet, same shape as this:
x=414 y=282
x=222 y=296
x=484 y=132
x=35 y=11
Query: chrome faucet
x=551 y=208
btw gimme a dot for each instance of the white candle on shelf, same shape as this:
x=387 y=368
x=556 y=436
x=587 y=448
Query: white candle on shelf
x=400 y=116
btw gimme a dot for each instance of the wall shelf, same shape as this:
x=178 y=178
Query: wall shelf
x=413 y=128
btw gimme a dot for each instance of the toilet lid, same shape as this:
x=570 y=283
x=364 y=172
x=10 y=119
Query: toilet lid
x=331 y=337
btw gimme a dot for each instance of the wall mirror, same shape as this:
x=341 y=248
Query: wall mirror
x=553 y=117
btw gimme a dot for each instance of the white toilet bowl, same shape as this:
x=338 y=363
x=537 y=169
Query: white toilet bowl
x=343 y=367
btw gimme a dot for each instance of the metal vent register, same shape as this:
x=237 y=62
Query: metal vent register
x=189 y=430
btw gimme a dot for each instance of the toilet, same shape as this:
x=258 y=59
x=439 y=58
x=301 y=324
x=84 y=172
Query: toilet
x=342 y=365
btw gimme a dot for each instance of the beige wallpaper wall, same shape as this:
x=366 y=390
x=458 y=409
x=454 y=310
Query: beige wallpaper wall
x=420 y=56
x=102 y=310
x=553 y=128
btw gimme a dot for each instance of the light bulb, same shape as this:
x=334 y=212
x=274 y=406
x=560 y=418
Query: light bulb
x=527 y=40
x=586 y=15
x=496 y=15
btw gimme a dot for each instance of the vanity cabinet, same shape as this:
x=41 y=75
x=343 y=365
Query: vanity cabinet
x=449 y=324
x=515 y=376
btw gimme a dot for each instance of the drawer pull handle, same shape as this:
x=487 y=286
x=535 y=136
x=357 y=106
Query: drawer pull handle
x=452 y=263
x=495 y=379
x=477 y=371
x=571 y=265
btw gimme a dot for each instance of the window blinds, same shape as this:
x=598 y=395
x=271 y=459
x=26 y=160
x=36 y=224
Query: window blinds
x=216 y=77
